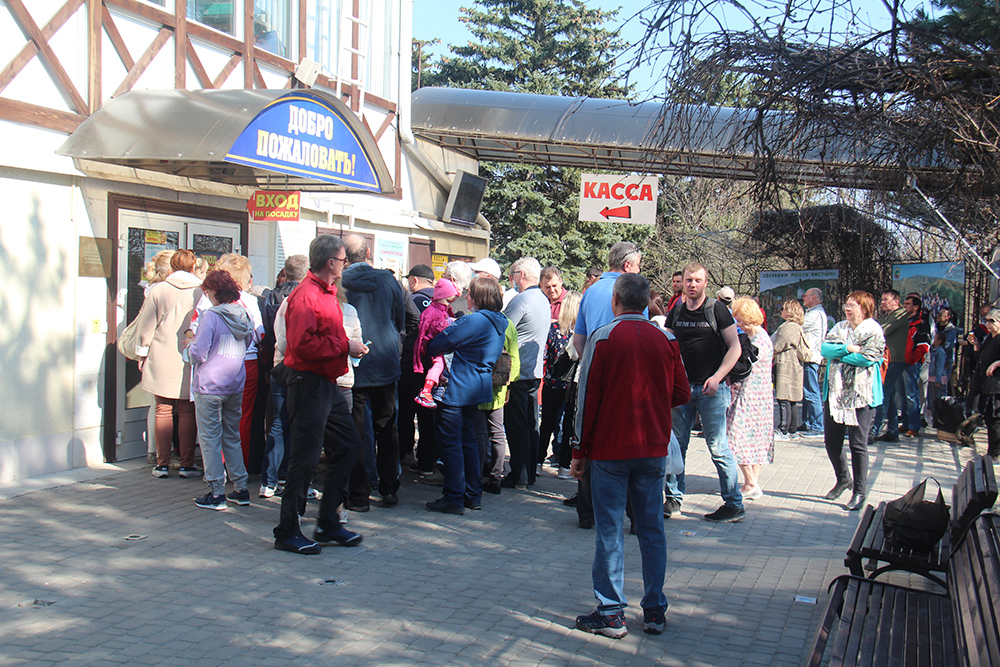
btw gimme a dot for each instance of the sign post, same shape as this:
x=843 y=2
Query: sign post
x=611 y=198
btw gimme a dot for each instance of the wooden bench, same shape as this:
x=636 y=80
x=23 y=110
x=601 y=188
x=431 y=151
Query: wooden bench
x=975 y=491
x=869 y=622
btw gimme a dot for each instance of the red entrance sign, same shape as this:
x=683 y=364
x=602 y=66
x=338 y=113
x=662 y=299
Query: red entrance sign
x=274 y=205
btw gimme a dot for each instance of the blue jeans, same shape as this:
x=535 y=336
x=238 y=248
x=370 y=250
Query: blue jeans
x=911 y=381
x=274 y=450
x=713 y=420
x=812 y=399
x=612 y=482
x=892 y=386
x=463 y=475
x=219 y=431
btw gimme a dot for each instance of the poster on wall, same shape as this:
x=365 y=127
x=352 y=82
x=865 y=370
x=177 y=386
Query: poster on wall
x=439 y=260
x=778 y=286
x=389 y=254
x=939 y=284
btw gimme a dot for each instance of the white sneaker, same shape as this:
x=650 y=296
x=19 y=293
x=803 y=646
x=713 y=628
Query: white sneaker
x=313 y=494
x=538 y=469
x=564 y=474
x=266 y=491
x=754 y=494
x=343 y=516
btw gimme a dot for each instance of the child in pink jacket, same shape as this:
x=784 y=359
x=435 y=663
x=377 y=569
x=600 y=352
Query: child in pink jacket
x=435 y=319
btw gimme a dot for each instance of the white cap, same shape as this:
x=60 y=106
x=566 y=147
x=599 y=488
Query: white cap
x=726 y=295
x=486 y=265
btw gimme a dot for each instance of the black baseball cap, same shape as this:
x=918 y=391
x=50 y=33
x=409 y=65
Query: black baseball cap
x=421 y=271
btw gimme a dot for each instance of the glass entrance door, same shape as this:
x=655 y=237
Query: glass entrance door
x=145 y=234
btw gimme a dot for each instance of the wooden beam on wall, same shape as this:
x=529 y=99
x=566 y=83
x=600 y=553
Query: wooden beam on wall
x=29 y=51
x=32 y=114
x=116 y=40
x=302 y=31
x=95 y=37
x=143 y=62
x=199 y=70
x=234 y=61
x=180 y=44
x=144 y=10
x=250 y=70
x=31 y=30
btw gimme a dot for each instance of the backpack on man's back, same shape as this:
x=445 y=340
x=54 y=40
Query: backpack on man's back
x=748 y=351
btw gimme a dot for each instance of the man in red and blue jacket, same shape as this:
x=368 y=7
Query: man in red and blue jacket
x=918 y=344
x=631 y=376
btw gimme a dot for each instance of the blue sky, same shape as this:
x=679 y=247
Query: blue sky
x=439 y=18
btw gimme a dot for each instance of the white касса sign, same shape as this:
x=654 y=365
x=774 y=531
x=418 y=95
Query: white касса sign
x=610 y=198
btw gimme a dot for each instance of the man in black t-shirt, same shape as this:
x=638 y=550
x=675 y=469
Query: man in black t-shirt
x=709 y=354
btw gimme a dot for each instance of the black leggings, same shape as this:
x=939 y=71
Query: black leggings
x=552 y=401
x=857 y=436
x=789 y=420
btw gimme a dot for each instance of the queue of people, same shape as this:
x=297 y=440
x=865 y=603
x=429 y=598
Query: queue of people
x=341 y=344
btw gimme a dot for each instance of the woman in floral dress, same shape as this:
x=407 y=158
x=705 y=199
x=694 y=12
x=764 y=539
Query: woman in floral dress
x=750 y=418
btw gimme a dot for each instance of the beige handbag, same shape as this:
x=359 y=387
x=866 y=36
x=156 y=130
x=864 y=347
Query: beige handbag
x=129 y=339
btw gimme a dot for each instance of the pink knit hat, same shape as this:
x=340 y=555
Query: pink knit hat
x=444 y=289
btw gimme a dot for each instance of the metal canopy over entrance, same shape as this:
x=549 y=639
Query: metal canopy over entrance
x=302 y=139
x=620 y=136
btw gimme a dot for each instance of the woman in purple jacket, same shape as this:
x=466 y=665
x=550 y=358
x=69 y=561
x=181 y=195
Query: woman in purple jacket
x=217 y=378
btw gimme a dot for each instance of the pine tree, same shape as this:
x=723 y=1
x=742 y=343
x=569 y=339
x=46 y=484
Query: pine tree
x=550 y=47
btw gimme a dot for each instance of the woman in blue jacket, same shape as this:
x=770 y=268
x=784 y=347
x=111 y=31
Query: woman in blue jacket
x=475 y=342
x=851 y=392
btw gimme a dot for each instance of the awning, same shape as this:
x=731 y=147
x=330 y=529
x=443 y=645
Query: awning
x=302 y=139
x=648 y=137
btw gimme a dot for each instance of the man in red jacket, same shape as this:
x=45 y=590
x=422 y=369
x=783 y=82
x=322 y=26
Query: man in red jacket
x=631 y=376
x=315 y=356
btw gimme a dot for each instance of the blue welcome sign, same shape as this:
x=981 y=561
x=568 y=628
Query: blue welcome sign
x=303 y=134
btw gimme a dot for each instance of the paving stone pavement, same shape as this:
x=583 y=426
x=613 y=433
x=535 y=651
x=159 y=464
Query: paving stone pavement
x=501 y=586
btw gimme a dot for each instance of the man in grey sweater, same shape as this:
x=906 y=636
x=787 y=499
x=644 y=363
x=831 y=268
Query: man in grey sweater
x=530 y=312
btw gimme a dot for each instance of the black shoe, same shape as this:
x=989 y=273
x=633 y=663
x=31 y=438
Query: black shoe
x=586 y=524
x=341 y=536
x=440 y=505
x=390 y=500
x=671 y=506
x=357 y=508
x=297 y=544
x=889 y=437
x=507 y=483
x=855 y=503
x=571 y=501
x=839 y=489
x=472 y=505
x=653 y=621
x=597 y=624
x=492 y=486
x=726 y=514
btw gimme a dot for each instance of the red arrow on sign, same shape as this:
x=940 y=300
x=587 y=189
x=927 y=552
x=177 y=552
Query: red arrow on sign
x=620 y=212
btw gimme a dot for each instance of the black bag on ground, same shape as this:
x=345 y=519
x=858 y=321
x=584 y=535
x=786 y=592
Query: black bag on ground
x=913 y=522
x=949 y=412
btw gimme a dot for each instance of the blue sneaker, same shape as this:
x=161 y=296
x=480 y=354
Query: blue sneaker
x=341 y=536
x=297 y=544
x=210 y=502
x=597 y=623
x=653 y=621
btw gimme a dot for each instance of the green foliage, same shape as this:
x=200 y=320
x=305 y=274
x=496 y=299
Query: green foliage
x=548 y=47
x=970 y=21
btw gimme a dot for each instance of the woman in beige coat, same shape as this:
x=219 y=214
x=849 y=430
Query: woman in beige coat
x=789 y=343
x=163 y=321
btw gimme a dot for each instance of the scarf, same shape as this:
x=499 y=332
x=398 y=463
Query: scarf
x=851 y=387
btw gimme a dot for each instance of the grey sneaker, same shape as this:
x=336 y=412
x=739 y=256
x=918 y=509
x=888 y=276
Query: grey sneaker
x=671 y=506
x=726 y=514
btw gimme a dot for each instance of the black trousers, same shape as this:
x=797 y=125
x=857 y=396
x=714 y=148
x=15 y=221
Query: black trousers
x=383 y=404
x=552 y=401
x=410 y=384
x=857 y=439
x=788 y=416
x=320 y=422
x=521 y=422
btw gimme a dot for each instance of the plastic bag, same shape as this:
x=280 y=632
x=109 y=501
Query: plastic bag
x=913 y=522
x=675 y=460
